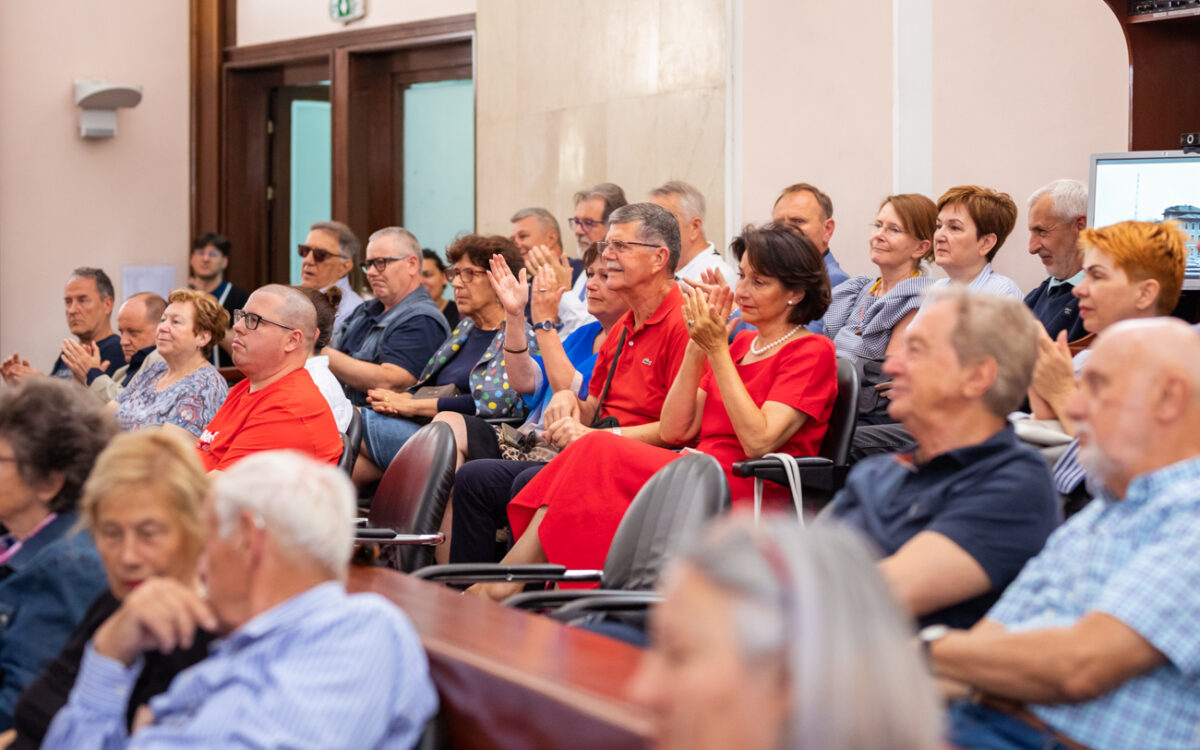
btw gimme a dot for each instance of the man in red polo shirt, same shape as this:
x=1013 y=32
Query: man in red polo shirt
x=277 y=406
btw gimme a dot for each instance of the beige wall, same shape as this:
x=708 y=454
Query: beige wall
x=260 y=21
x=1022 y=92
x=67 y=202
x=572 y=92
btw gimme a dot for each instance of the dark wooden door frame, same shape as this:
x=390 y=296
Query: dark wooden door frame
x=279 y=246
x=230 y=174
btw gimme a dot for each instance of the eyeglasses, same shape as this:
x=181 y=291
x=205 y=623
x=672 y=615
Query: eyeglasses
x=208 y=251
x=253 y=319
x=891 y=230
x=586 y=225
x=379 y=264
x=319 y=254
x=621 y=248
x=468 y=274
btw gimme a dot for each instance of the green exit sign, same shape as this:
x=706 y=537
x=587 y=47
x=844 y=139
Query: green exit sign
x=347 y=10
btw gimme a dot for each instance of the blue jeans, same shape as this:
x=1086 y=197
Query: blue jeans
x=384 y=436
x=976 y=727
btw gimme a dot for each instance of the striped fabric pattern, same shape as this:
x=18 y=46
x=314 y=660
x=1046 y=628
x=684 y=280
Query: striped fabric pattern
x=861 y=324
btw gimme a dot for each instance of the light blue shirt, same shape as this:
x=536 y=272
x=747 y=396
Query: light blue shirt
x=991 y=283
x=1138 y=560
x=324 y=669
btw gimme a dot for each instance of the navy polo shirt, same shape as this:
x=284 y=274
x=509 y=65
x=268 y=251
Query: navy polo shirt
x=1057 y=309
x=110 y=351
x=410 y=345
x=993 y=499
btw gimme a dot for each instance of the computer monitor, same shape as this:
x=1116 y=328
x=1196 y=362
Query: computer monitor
x=1148 y=186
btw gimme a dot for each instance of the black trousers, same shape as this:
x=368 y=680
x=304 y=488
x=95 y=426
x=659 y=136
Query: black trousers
x=482 y=489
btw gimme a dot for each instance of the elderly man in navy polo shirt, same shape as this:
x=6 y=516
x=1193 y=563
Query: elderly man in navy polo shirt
x=956 y=518
x=1096 y=644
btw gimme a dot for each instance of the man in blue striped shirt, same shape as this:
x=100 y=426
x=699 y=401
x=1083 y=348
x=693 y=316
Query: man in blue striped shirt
x=304 y=665
x=1095 y=644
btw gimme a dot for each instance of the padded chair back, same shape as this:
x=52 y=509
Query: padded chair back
x=836 y=445
x=666 y=513
x=351 y=440
x=411 y=497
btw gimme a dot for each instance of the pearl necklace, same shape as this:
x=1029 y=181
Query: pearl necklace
x=757 y=351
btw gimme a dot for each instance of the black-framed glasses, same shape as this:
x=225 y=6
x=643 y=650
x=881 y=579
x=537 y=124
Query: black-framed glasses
x=620 y=248
x=379 y=264
x=468 y=274
x=319 y=254
x=586 y=225
x=253 y=319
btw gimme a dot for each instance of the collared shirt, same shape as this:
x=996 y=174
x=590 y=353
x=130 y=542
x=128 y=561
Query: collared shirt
x=990 y=282
x=707 y=259
x=1138 y=560
x=646 y=367
x=131 y=369
x=10 y=545
x=993 y=499
x=323 y=669
x=1074 y=281
x=1057 y=308
x=572 y=307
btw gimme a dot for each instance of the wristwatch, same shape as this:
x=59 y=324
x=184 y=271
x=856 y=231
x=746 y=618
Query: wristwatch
x=547 y=325
x=928 y=635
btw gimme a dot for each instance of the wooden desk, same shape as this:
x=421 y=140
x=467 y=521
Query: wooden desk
x=510 y=679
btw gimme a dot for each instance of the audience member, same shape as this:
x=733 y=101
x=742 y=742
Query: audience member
x=385 y=342
x=805 y=208
x=302 y=664
x=137 y=324
x=972 y=224
x=593 y=211
x=183 y=389
x=633 y=371
x=277 y=406
x=89 y=305
x=468 y=373
x=1095 y=644
x=773 y=637
x=50 y=434
x=329 y=254
x=956 y=518
x=868 y=316
x=535 y=233
x=696 y=254
x=1057 y=214
x=771 y=390
x=317 y=364
x=433 y=278
x=142 y=505
x=208 y=262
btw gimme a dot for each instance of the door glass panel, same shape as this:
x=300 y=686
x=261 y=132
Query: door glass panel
x=311 y=181
x=439 y=161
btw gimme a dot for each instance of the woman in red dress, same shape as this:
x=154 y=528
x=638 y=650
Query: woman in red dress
x=770 y=390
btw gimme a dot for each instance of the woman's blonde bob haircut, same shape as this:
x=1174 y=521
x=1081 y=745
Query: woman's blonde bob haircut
x=157 y=462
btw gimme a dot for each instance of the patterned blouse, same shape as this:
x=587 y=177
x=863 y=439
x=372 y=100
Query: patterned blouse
x=191 y=403
x=861 y=324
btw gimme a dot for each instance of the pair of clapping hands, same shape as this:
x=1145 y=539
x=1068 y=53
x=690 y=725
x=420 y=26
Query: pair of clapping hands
x=79 y=358
x=707 y=305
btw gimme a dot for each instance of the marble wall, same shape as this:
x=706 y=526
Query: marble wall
x=571 y=93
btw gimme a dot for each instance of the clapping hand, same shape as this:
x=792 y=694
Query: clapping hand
x=81 y=358
x=14 y=368
x=707 y=318
x=512 y=292
x=541 y=256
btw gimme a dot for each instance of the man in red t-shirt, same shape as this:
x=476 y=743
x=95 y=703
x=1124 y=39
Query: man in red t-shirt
x=277 y=406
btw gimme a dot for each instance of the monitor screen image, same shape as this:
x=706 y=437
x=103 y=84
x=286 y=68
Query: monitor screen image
x=1148 y=186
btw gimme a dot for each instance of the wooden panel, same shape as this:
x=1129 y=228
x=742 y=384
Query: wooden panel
x=423 y=32
x=245 y=175
x=509 y=679
x=209 y=31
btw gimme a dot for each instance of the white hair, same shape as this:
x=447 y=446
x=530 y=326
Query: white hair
x=691 y=200
x=401 y=239
x=308 y=507
x=1069 y=198
x=814 y=601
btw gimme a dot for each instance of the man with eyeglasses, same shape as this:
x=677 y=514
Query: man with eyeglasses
x=209 y=259
x=386 y=342
x=590 y=224
x=329 y=253
x=277 y=406
x=535 y=233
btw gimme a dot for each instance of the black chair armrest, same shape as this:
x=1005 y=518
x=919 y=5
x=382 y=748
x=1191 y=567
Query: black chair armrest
x=551 y=599
x=612 y=601
x=767 y=468
x=389 y=536
x=466 y=573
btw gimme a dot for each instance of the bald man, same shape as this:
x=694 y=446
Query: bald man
x=277 y=406
x=1096 y=643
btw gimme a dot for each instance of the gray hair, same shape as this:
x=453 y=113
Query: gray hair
x=104 y=285
x=612 y=195
x=308 y=507
x=691 y=200
x=348 y=244
x=814 y=601
x=297 y=310
x=399 y=235
x=1000 y=328
x=657 y=224
x=1069 y=198
x=545 y=219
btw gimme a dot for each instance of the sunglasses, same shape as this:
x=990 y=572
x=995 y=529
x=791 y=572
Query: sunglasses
x=319 y=254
